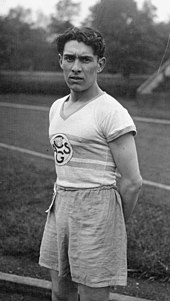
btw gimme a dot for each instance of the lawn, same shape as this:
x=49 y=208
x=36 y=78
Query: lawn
x=26 y=189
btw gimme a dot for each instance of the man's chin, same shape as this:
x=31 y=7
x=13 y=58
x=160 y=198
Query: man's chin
x=76 y=88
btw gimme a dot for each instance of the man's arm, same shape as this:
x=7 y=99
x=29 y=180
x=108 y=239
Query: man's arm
x=124 y=153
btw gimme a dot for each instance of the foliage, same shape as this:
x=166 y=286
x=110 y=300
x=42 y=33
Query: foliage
x=135 y=42
x=66 y=10
x=24 y=47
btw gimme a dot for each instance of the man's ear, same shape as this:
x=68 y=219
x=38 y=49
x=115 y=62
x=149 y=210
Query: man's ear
x=60 y=58
x=101 y=64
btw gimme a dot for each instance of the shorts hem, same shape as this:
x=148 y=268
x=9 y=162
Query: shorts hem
x=48 y=266
x=102 y=283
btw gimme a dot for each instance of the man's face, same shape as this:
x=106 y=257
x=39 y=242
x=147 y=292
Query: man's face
x=80 y=65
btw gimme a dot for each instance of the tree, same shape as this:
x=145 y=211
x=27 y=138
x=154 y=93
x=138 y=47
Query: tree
x=66 y=11
x=20 y=14
x=113 y=15
x=149 y=10
x=130 y=34
x=13 y=32
x=116 y=20
x=22 y=45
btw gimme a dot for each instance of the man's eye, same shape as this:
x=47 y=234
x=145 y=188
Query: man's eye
x=69 y=58
x=85 y=59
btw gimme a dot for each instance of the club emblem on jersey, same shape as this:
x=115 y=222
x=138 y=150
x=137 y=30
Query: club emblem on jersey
x=62 y=149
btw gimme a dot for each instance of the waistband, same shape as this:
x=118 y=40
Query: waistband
x=71 y=189
x=98 y=188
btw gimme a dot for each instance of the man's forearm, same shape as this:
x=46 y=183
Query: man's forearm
x=129 y=192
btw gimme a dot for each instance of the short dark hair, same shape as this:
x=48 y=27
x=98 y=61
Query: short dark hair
x=87 y=35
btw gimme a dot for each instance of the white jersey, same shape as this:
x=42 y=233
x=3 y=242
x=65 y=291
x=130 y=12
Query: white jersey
x=80 y=141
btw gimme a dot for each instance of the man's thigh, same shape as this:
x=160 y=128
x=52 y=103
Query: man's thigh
x=93 y=294
x=63 y=288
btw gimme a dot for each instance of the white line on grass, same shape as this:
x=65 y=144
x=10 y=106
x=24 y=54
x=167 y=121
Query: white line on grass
x=152 y=120
x=26 y=151
x=40 y=155
x=26 y=107
x=156 y=185
x=44 y=108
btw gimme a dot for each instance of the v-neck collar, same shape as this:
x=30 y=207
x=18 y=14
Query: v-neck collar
x=65 y=117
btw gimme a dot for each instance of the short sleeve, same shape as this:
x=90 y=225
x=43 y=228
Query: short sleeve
x=117 y=123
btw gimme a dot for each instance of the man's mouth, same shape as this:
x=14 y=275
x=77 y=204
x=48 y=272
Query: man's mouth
x=76 y=78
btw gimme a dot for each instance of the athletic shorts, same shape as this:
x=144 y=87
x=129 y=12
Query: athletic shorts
x=85 y=236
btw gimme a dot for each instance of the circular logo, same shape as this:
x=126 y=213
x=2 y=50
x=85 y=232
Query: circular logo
x=62 y=149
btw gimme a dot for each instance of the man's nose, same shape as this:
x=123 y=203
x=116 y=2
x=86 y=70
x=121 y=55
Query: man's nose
x=76 y=67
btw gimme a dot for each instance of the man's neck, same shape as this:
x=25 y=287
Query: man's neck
x=85 y=96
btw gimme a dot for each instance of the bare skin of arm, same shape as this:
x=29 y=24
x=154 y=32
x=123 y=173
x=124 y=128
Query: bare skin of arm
x=124 y=152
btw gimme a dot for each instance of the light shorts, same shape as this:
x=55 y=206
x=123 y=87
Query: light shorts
x=85 y=237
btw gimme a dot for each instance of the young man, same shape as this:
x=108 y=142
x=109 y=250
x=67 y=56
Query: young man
x=92 y=135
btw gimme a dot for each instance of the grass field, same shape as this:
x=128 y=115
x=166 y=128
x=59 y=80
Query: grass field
x=26 y=189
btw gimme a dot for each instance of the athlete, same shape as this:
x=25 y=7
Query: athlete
x=84 y=242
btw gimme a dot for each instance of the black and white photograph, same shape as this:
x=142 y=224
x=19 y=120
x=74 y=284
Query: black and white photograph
x=84 y=150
